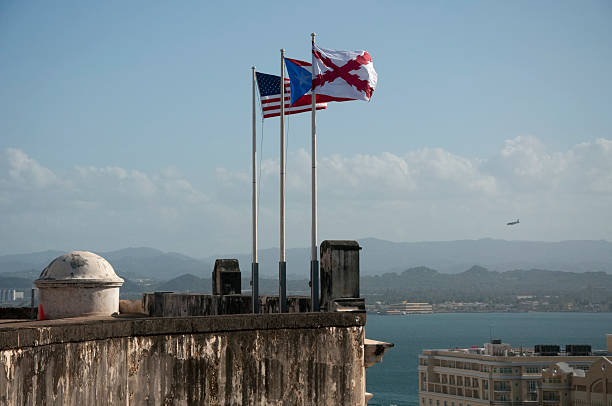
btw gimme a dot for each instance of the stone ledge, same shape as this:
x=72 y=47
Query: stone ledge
x=37 y=333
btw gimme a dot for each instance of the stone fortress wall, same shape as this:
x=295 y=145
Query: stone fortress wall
x=271 y=359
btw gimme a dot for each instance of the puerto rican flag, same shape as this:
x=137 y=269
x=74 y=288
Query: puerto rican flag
x=300 y=73
x=269 y=92
x=343 y=74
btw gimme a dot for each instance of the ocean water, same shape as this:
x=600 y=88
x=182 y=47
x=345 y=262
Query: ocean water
x=394 y=381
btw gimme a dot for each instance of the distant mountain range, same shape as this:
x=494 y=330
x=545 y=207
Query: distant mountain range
x=377 y=257
x=496 y=255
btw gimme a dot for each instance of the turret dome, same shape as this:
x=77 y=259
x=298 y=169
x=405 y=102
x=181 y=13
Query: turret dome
x=79 y=267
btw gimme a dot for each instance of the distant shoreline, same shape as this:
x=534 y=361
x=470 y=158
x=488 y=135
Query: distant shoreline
x=484 y=312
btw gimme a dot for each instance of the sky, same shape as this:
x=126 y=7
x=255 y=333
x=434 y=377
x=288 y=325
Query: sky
x=127 y=124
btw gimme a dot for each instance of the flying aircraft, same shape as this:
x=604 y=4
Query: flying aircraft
x=513 y=222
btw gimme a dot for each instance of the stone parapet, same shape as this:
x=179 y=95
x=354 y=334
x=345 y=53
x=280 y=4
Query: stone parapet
x=20 y=334
x=170 y=304
x=272 y=359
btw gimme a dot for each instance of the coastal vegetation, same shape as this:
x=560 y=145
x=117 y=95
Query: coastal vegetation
x=478 y=289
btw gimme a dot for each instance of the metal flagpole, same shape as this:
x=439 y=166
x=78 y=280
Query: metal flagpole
x=254 y=264
x=282 y=265
x=314 y=262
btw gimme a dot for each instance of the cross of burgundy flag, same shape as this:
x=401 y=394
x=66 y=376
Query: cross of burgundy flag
x=348 y=75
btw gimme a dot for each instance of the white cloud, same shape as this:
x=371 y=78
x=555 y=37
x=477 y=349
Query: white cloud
x=425 y=194
x=524 y=164
x=108 y=207
x=433 y=194
x=20 y=171
x=388 y=176
x=425 y=173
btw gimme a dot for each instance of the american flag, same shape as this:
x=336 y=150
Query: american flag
x=269 y=91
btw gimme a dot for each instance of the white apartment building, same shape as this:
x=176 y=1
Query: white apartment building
x=498 y=375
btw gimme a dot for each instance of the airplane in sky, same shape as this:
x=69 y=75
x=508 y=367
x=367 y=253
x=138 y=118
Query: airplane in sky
x=513 y=222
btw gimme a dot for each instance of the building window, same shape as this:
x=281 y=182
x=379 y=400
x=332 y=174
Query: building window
x=423 y=399
x=501 y=386
x=533 y=386
x=551 y=396
x=437 y=400
x=533 y=370
x=430 y=398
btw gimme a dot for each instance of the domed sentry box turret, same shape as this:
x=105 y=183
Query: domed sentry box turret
x=76 y=284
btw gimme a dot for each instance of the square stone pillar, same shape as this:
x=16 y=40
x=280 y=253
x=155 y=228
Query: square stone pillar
x=226 y=277
x=340 y=276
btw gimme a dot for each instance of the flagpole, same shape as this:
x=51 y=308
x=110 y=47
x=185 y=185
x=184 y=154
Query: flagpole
x=282 y=265
x=254 y=264
x=314 y=263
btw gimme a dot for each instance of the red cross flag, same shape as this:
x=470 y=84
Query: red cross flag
x=347 y=75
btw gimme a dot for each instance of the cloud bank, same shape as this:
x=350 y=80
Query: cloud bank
x=425 y=194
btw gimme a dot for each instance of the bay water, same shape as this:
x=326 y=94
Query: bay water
x=395 y=380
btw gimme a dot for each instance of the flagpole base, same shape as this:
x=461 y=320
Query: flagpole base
x=282 y=287
x=255 y=287
x=314 y=285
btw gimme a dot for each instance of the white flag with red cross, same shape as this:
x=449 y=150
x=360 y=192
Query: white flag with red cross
x=347 y=75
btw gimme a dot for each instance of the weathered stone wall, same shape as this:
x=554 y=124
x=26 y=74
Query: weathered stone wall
x=169 y=304
x=303 y=359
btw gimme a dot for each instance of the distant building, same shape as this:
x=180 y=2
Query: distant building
x=10 y=295
x=499 y=375
x=406 y=308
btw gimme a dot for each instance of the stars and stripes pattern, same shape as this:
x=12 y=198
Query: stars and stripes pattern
x=269 y=92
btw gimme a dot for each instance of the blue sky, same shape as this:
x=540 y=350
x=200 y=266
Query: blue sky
x=128 y=123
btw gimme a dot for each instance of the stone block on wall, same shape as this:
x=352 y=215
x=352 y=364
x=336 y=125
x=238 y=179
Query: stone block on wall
x=226 y=277
x=339 y=271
